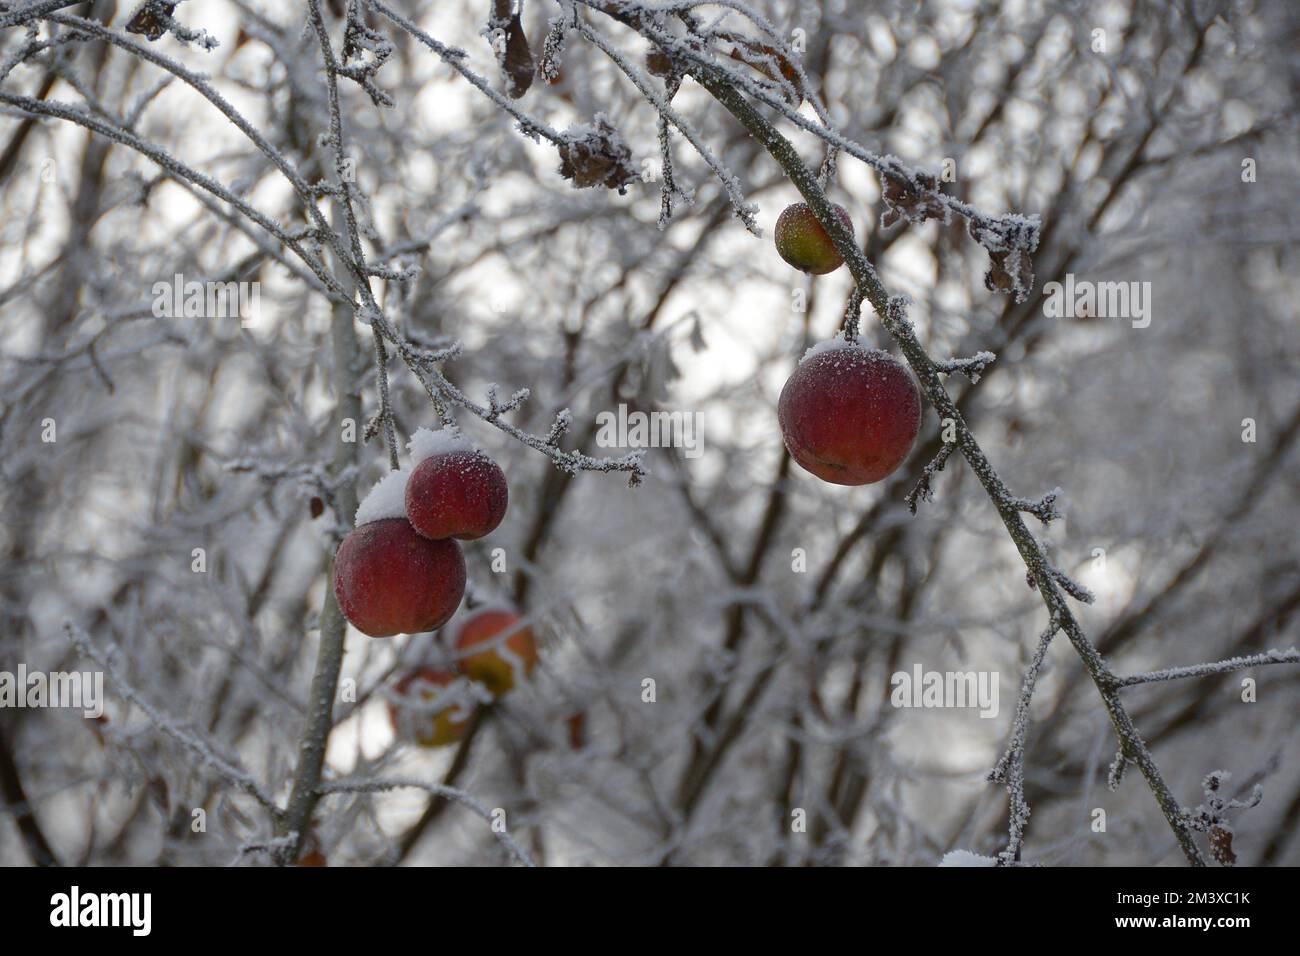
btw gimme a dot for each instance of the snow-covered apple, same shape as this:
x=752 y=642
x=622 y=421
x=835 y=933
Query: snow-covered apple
x=803 y=242
x=510 y=648
x=849 y=414
x=390 y=580
x=458 y=492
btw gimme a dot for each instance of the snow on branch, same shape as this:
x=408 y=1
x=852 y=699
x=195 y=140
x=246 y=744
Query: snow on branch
x=1289 y=656
x=1067 y=583
x=553 y=46
x=1115 y=774
x=892 y=311
x=358 y=41
x=33 y=10
x=972 y=367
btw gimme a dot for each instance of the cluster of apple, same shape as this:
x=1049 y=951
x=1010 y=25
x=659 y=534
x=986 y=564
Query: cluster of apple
x=401 y=571
x=433 y=708
x=848 y=414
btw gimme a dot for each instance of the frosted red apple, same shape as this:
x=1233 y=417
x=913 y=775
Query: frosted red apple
x=416 y=712
x=849 y=414
x=804 y=243
x=390 y=580
x=497 y=666
x=456 y=494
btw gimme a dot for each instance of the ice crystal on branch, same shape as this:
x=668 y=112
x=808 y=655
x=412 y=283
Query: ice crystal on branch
x=552 y=49
x=359 y=40
x=923 y=491
x=972 y=367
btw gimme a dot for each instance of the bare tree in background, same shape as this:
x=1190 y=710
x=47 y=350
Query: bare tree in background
x=517 y=216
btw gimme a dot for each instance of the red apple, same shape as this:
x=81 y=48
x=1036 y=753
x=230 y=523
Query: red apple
x=849 y=414
x=425 y=722
x=390 y=580
x=804 y=243
x=497 y=666
x=458 y=494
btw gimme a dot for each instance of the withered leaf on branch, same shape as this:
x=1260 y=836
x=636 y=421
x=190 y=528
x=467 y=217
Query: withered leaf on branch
x=1010 y=241
x=596 y=155
x=506 y=33
x=1221 y=846
x=148 y=20
x=519 y=60
x=1008 y=271
x=762 y=58
x=660 y=63
x=914 y=202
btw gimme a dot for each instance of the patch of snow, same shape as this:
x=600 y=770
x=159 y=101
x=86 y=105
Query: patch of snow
x=426 y=443
x=386 y=500
x=839 y=342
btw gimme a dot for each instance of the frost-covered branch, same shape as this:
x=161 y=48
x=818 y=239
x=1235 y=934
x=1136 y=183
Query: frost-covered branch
x=438 y=790
x=744 y=210
x=1212 y=817
x=910 y=194
x=1289 y=656
x=176 y=167
x=1045 y=577
x=972 y=367
x=442 y=391
x=1010 y=769
x=453 y=57
x=33 y=10
x=922 y=490
x=1044 y=508
x=188 y=738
